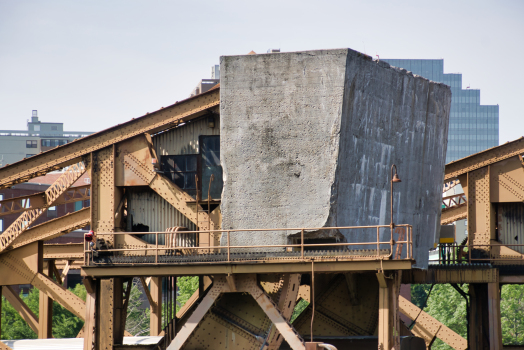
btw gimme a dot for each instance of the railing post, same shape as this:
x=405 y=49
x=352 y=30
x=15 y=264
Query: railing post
x=156 y=249
x=228 y=247
x=302 y=243
x=378 y=242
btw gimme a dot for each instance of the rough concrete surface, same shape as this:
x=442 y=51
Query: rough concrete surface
x=308 y=139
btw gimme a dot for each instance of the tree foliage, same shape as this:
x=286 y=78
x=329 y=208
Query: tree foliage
x=512 y=312
x=187 y=285
x=65 y=324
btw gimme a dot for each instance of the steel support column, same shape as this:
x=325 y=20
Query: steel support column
x=156 y=310
x=385 y=314
x=479 y=315
x=45 y=313
x=495 y=328
x=92 y=288
x=109 y=311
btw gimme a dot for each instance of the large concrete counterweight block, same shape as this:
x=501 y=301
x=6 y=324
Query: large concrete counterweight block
x=308 y=140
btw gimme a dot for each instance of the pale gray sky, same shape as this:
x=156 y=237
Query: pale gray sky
x=94 y=64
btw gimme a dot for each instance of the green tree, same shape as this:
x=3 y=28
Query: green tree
x=138 y=316
x=419 y=293
x=512 y=312
x=446 y=305
x=187 y=285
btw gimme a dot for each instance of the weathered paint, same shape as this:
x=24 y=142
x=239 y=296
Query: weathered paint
x=147 y=208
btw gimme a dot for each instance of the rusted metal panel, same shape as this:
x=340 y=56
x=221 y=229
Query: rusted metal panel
x=184 y=139
x=511 y=225
x=148 y=208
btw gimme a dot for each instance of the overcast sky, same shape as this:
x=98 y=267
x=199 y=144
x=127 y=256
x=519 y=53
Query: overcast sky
x=94 y=64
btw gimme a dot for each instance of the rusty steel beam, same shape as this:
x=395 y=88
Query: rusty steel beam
x=3 y=346
x=68 y=251
x=54 y=228
x=484 y=158
x=286 y=305
x=37 y=200
x=21 y=224
x=19 y=305
x=245 y=284
x=61 y=295
x=72 y=152
x=24 y=264
x=449 y=275
x=448 y=185
x=175 y=196
x=207 y=269
x=452 y=214
x=428 y=327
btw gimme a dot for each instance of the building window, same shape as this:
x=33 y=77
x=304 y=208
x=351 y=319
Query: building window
x=1 y=196
x=51 y=212
x=30 y=144
x=29 y=155
x=54 y=127
x=1 y=225
x=181 y=170
x=37 y=128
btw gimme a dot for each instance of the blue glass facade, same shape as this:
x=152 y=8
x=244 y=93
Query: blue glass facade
x=472 y=127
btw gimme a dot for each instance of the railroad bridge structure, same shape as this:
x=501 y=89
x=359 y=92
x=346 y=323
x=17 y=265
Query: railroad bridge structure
x=158 y=217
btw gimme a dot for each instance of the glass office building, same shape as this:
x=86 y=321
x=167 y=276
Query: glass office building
x=472 y=127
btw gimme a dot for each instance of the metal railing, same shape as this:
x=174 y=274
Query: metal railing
x=455 y=253
x=404 y=232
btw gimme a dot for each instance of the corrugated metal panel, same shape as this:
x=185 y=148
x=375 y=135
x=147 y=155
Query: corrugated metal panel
x=147 y=208
x=511 y=225
x=184 y=139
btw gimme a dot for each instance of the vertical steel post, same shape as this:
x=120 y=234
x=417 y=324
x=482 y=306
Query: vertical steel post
x=302 y=243
x=228 y=247
x=156 y=310
x=45 y=319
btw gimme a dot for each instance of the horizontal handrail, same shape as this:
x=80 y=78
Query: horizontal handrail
x=405 y=237
x=448 y=253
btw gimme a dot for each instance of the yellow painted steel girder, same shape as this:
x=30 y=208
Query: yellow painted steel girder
x=453 y=214
x=54 y=228
x=428 y=327
x=19 y=305
x=206 y=269
x=21 y=266
x=21 y=224
x=3 y=346
x=37 y=200
x=484 y=158
x=449 y=275
x=68 y=251
x=72 y=152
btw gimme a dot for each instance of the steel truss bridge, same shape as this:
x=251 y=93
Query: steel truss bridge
x=245 y=298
